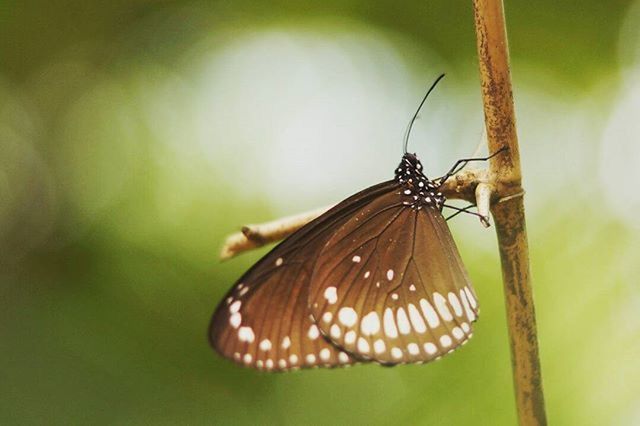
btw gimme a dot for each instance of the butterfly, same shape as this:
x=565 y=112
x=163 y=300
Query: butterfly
x=377 y=278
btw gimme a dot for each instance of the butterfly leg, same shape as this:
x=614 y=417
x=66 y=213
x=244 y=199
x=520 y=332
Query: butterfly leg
x=462 y=163
x=483 y=219
x=464 y=210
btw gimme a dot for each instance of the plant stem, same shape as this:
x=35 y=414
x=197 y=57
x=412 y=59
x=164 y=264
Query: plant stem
x=508 y=209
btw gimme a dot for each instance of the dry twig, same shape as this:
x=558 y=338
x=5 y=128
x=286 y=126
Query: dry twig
x=254 y=236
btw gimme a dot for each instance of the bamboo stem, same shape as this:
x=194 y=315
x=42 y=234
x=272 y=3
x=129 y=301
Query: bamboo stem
x=508 y=212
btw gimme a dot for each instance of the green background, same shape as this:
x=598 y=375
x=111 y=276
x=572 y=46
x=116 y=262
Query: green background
x=135 y=135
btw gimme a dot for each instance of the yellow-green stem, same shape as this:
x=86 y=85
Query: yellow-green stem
x=508 y=209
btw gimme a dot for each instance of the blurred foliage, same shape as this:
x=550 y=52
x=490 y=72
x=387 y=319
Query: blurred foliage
x=121 y=174
x=575 y=41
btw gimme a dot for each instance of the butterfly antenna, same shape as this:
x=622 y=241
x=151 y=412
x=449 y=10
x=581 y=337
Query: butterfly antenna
x=415 y=116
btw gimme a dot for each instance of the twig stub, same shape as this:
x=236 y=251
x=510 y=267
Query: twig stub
x=253 y=236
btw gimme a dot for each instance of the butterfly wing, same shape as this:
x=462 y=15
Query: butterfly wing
x=392 y=283
x=264 y=321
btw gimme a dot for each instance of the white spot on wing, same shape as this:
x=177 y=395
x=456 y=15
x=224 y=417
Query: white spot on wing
x=265 y=345
x=390 y=274
x=457 y=333
x=335 y=331
x=235 y=306
x=293 y=359
x=445 y=340
x=356 y=259
x=455 y=303
x=310 y=358
x=363 y=345
x=465 y=303
x=286 y=342
x=413 y=349
x=247 y=358
x=396 y=353
x=429 y=313
x=235 y=320
x=245 y=334
x=313 y=332
x=366 y=274
x=350 y=337
x=279 y=261
x=430 y=348
x=472 y=299
x=370 y=324
x=441 y=306
x=379 y=346
x=325 y=354
x=348 y=316
x=327 y=317
x=416 y=319
x=390 y=324
x=403 y=321
x=331 y=294
x=343 y=357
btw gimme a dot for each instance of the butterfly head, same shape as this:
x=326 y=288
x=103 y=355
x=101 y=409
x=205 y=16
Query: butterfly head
x=419 y=190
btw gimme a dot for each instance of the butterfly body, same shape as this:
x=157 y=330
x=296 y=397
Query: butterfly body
x=420 y=190
x=376 y=278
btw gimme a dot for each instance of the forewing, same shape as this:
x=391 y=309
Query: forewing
x=390 y=286
x=264 y=321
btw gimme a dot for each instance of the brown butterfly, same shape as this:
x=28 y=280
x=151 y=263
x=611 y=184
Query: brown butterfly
x=376 y=278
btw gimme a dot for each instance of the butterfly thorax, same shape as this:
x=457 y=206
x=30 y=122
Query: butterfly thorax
x=418 y=189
